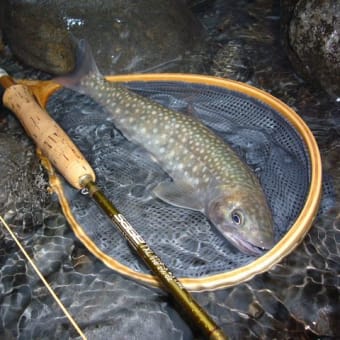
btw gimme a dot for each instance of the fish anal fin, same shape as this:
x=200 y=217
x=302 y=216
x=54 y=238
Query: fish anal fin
x=179 y=194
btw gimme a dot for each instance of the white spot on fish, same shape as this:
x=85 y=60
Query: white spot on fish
x=205 y=179
x=196 y=181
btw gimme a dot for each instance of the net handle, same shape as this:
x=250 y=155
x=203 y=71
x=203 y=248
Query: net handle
x=46 y=133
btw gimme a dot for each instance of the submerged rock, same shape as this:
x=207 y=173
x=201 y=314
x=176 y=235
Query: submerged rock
x=311 y=35
x=23 y=192
x=126 y=36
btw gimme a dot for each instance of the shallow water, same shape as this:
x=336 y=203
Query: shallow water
x=298 y=298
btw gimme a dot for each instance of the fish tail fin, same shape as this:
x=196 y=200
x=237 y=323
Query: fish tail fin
x=85 y=66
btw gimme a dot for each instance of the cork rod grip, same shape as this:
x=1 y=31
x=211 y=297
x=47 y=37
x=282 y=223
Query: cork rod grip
x=48 y=135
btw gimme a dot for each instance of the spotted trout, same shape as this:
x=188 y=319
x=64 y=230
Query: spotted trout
x=207 y=175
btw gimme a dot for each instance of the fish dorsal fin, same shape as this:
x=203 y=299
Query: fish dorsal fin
x=179 y=194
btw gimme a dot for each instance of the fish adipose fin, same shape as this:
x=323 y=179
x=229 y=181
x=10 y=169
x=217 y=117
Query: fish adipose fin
x=85 y=66
x=179 y=194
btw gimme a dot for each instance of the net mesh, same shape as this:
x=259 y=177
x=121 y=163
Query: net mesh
x=184 y=239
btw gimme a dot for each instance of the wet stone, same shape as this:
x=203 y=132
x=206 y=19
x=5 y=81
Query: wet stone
x=317 y=54
x=153 y=35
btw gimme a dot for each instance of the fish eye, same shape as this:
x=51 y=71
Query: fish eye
x=236 y=217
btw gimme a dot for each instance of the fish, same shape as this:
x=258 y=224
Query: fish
x=206 y=173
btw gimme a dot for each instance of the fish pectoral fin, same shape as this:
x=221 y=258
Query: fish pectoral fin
x=179 y=194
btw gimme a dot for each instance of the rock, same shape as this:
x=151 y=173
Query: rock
x=311 y=35
x=231 y=62
x=1 y=20
x=126 y=36
x=1 y=42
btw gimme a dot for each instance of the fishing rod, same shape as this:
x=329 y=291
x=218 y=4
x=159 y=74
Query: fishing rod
x=66 y=157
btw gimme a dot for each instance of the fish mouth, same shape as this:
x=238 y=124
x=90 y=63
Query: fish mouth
x=245 y=246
